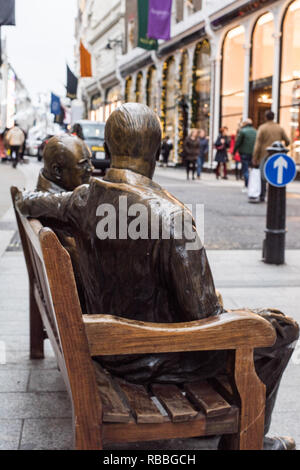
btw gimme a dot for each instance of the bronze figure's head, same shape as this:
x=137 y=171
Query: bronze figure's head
x=67 y=161
x=133 y=138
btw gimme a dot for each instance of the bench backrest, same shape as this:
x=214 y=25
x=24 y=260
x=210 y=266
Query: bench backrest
x=52 y=280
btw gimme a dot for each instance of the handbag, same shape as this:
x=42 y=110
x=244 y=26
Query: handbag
x=254 y=184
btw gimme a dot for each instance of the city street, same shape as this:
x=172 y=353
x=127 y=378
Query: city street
x=197 y=86
x=35 y=411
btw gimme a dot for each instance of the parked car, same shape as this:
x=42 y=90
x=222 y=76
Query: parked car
x=32 y=146
x=92 y=133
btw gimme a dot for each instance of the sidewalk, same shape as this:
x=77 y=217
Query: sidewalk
x=35 y=411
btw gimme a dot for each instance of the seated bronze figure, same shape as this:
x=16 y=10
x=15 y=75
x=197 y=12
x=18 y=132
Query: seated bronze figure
x=67 y=165
x=155 y=279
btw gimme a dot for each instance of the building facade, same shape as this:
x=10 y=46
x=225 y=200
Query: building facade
x=225 y=61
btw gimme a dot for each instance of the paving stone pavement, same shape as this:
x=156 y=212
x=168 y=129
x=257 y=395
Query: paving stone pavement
x=35 y=410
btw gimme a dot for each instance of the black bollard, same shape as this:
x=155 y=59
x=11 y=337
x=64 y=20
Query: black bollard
x=274 y=243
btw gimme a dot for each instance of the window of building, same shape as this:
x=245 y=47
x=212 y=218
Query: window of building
x=232 y=90
x=201 y=86
x=262 y=68
x=129 y=95
x=183 y=107
x=290 y=77
x=139 y=95
x=151 y=88
x=169 y=100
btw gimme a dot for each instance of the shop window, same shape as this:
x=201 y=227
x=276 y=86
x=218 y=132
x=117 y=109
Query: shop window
x=129 y=95
x=151 y=88
x=183 y=107
x=201 y=86
x=290 y=78
x=262 y=68
x=232 y=90
x=139 y=88
x=169 y=100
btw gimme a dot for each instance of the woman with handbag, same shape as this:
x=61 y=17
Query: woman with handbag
x=222 y=144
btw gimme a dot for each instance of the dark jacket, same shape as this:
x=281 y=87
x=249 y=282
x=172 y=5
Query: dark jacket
x=222 y=144
x=166 y=147
x=153 y=280
x=203 y=147
x=191 y=149
x=68 y=241
x=245 y=141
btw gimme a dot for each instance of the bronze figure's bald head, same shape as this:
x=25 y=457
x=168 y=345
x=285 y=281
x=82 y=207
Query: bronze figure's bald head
x=133 y=138
x=67 y=161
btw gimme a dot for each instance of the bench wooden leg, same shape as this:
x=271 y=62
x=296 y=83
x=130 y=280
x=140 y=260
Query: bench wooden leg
x=36 y=329
x=87 y=436
x=252 y=395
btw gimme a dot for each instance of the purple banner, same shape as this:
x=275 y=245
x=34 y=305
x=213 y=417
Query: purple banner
x=159 y=19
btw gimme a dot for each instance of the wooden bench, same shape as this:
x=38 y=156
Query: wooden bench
x=107 y=409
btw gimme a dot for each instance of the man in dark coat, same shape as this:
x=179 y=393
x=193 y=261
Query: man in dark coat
x=140 y=275
x=245 y=145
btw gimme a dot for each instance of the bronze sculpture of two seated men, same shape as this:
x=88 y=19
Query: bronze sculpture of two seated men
x=150 y=279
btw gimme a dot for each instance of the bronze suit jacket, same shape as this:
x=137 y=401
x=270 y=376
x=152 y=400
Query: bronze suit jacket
x=156 y=280
x=67 y=240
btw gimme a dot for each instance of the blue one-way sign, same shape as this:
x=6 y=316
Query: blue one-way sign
x=280 y=169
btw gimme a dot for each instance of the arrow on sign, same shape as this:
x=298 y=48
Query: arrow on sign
x=280 y=163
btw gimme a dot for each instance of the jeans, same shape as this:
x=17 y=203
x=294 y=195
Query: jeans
x=190 y=165
x=14 y=153
x=224 y=169
x=246 y=160
x=200 y=161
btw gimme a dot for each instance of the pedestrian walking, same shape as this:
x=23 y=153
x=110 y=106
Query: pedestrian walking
x=236 y=158
x=166 y=148
x=191 y=152
x=267 y=133
x=222 y=144
x=245 y=146
x=23 y=148
x=203 y=151
x=15 y=139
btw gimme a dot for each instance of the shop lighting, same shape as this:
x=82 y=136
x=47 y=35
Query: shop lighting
x=265 y=19
x=295 y=6
x=236 y=32
x=265 y=99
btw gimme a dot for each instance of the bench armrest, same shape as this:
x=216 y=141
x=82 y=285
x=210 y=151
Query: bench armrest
x=109 y=334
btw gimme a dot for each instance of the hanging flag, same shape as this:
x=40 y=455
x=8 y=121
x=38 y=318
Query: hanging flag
x=143 y=40
x=72 y=82
x=55 y=104
x=7 y=13
x=159 y=19
x=85 y=62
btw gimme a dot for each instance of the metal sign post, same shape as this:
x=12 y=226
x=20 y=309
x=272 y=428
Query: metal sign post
x=279 y=170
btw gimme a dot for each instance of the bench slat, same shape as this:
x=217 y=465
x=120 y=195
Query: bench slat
x=114 y=408
x=205 y=398
x=177 y=406
x=142 y=407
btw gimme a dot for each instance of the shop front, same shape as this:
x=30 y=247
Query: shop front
x=262 y=69
x=96 y=111
x=169 y=101
x=201 y=86
x=289 y=111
